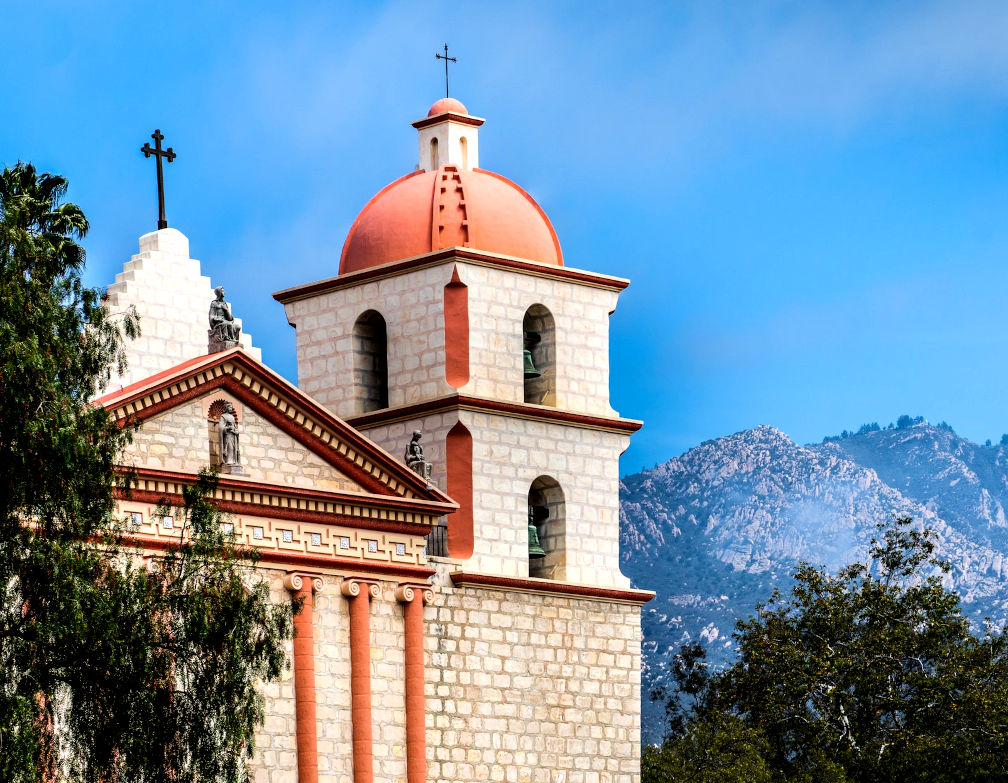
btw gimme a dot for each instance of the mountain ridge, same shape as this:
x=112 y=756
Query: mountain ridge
x=717 y=528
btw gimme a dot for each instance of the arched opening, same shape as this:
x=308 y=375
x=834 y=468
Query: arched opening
x=464 y=147
x=370 y=346
x=539 y=360
x=434 y=162
x=547 y=526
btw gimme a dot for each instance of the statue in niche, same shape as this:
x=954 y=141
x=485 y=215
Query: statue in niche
x=224 y=332
x=415 y=457
x=230 y=453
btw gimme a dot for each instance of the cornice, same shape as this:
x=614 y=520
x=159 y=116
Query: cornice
x=519 y=410
x=445 y=255
x=548 y=587
x=363 y=510
x=448 y=116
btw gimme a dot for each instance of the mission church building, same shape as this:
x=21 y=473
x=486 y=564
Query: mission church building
x=464 y=616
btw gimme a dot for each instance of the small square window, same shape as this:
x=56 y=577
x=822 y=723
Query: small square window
x=344 y=542
x=168 y=522
x=372 y=545
x=135 y=519
x=288 y=536
x=228 y=528
x=257 y=533
x=316 y=539
x=400 y=549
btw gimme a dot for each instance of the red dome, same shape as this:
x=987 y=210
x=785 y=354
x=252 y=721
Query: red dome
x=432 y=210
x=446 y=105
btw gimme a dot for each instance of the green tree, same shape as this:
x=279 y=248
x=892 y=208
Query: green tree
x=111 y=668
x=869 y=675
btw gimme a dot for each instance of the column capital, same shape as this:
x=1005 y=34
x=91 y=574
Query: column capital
x=409 y=591
x=351 y=587
x=295 y=581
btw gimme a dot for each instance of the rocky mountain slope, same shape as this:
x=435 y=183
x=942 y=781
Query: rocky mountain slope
x=717 y=529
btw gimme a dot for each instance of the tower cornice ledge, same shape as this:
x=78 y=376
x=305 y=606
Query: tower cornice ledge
x=449 y=116
x=449 y=254
x=550 y=587
x=521 y=410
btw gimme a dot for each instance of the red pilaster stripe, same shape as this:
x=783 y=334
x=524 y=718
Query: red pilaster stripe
x=303 y=587
x=456 y=331
x=359 y=594
x=413 y=597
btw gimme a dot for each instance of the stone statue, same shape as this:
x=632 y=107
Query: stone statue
x=224 y=331
x=229 y=451
x=415 y=457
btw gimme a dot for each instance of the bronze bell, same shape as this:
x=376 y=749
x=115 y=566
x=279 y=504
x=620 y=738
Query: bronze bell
x=530 y=370
x=536 y=514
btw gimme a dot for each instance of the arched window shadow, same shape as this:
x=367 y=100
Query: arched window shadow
x=370 y=346
x=547 y=518
x=539 y=339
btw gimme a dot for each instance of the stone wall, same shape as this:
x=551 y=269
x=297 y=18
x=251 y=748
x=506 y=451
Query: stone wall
x=520 y=688
x=498 y=302
x=275 y=758
x=530 y=688
x=509 y=454
x=412 y=304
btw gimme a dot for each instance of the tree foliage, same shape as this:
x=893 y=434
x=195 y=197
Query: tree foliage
x=872 y=674
x=113 y=666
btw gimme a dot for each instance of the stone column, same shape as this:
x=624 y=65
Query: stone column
x=303 y=586
x=359 y=593
x=413 y=598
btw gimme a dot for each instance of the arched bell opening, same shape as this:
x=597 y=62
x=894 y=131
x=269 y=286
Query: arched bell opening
x=547 y=528
x=539 y=355
x=370 y=346
x=464 y=148
x=435 y=161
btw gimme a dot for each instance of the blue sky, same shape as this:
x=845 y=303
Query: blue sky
x=809 y=198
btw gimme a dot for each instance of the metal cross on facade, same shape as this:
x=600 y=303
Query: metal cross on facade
x=159 y=153
x=446 y=58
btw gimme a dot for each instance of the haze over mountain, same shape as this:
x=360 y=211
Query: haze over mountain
x=715 y=530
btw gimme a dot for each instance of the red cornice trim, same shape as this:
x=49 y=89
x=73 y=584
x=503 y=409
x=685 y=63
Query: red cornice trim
x=465 y=119
x=282 y=388
x=465 y=579
x=297 y=559
x=283 y=490
x=439 y=256
x=524 y=410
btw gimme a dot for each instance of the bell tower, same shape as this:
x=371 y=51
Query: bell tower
x=454 y=314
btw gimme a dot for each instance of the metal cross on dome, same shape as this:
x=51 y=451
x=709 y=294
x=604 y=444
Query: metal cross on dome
x=446 y=58
x=159 y=153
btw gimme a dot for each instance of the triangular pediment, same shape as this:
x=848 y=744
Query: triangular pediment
x=286 y=440
x=185 y=438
